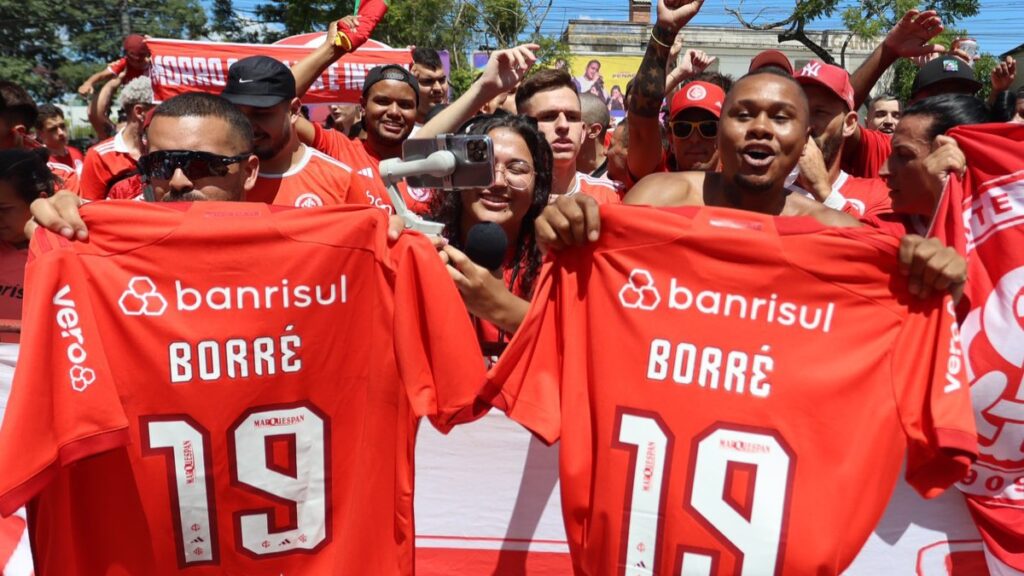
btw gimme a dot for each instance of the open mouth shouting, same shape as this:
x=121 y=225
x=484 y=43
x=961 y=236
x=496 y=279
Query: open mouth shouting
x=759 y=156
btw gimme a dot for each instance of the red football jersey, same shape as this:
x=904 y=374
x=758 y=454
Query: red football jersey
x=355 y=153
x=315 y=180
x=734 y=393
x=866 y=159
x=227 y=388
x=601 y=189
x=104 y=162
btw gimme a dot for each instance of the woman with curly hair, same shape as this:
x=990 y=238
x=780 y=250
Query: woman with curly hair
x=498 y=301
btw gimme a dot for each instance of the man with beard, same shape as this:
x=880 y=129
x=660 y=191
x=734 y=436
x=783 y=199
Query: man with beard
x=291 y=173
x=832 y=121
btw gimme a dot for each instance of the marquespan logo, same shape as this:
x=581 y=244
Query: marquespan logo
x=142 y=298
x=308 y=200
x=639 y=292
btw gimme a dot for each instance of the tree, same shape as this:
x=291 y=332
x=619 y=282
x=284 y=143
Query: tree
x=864 y=18
x=51 y=47
x=301 y=16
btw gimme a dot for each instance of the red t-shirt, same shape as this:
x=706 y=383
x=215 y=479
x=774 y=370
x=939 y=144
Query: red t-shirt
x=118 y=66
x=262 y=419
x=867 y=159
x=103 y=162
x=734 y=391
x=72 y=158
x=316 y=180
x=355 y=153
x=601 y=189
x=865 y=197
x=12 y=280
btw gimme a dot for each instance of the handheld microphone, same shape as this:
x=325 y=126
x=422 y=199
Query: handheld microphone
x=486 y=244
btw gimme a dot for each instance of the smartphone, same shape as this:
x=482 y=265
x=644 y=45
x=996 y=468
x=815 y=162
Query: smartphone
x=968 y=45
x=474 y=160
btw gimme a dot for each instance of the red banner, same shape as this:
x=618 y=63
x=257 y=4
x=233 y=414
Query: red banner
x=983 y=216
x=184 y=66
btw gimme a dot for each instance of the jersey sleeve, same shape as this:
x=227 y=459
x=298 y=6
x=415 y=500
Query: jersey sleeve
x=933 y=396
x=439 y=359
x=866 y=160
x=526 y=381
x=117 y=66
x=332 y=143
x=63 y=405
x=93 y=183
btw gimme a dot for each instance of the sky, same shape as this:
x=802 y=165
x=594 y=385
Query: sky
x=996 y=28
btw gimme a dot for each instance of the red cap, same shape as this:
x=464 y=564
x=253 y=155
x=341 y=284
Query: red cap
x=135 y=43
x=771 y=58
x=830 y=76
x=698 y=94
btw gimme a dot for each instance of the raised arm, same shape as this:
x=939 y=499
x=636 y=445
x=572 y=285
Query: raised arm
x=648 y=91
x=504 y=71
x=910 y=37
x=343 y=36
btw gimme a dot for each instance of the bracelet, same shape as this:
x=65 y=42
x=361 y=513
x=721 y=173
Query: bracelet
x=659 y=42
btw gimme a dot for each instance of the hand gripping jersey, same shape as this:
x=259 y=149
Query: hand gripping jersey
x=222 y=388
x=734 y=393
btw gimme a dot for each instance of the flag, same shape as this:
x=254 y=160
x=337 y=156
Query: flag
x=983 y=217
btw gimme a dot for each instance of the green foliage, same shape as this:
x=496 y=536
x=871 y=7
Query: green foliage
x=301 y=16
x=51 y=47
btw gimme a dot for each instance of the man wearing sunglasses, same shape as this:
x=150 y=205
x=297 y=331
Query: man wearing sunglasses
x=833 y=120
x=693 y=126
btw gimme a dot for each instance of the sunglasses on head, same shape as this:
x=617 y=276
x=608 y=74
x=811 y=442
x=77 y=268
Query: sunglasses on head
x=682 y=128
x=162 y=164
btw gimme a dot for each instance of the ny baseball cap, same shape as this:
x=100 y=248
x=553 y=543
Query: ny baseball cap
x=830 y=76
x=259 y=81
x=942 y=69
x=771 y=58
x=391 y=72
x=703 y=95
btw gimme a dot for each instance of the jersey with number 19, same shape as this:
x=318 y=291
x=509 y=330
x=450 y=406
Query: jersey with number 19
x=734 y=393
x=229 y=388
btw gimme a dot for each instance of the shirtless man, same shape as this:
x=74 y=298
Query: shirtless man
x=762 y=133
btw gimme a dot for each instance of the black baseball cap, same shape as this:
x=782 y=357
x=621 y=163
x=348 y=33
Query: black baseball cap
x=943 y=69
x=259 y=81
x=391 y=72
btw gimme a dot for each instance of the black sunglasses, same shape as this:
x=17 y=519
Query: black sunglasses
x=682 y=128
x=162 y=164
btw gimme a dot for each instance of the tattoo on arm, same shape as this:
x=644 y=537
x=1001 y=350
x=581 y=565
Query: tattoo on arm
x=649 y=85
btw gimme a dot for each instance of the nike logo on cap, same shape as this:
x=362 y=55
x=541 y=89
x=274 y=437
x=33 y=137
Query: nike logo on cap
x=241 y=81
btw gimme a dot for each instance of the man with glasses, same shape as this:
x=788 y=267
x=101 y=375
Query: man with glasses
x=200 y=148
x=693 y=126
x=833 y=119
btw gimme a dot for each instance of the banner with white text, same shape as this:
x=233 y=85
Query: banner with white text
x=180 y=66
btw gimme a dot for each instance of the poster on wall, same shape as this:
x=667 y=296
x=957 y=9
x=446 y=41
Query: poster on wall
x=605 y=77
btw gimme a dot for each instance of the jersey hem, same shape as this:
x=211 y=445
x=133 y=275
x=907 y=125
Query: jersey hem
x=68 y=454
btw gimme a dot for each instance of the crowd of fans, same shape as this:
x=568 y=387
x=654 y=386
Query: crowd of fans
x=779 y=140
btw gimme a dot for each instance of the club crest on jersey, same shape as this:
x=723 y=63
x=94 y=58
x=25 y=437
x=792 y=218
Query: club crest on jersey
x=308 y=200
x=639 y=292
x=142 y=298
